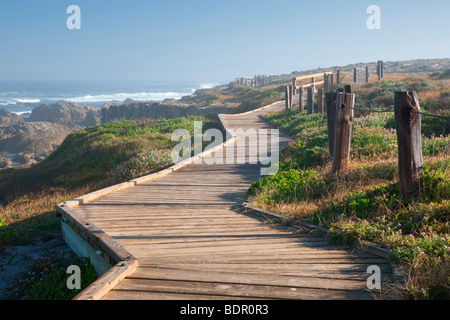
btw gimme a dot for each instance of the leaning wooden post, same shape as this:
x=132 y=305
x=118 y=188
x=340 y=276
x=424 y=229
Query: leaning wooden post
x=409 y=137
x=288 y=97
x=301 y=98
x=320 y=101
x=330 y=109
x=343 y=130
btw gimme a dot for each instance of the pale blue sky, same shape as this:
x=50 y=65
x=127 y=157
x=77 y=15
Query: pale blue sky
x=211 y=40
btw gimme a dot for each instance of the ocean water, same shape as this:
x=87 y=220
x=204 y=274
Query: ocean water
x=21 y=97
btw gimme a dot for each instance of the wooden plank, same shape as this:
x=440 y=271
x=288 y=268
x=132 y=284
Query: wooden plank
x=251 y=279
x=230 y=290
x=109 y=280
x=148 y=295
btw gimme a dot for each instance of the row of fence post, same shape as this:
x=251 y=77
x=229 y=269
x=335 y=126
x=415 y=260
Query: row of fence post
x=339 y=106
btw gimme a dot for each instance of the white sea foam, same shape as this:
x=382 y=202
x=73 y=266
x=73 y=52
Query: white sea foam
x=12 y=102
x=208 y=85
x=140 y=96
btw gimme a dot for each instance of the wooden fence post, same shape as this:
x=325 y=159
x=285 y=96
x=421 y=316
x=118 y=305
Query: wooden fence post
x=330 y=106
x=367 y=74
x=310 y=99
x=379 y=70
x=382 y=69
x=338 y=76
x=348 y=88
x=301 y=99
x=291 y=96
x=409 y=137
x=320 y=101
x=354 y=75
x=288 y=97
x=325 y=82
x=343 y=130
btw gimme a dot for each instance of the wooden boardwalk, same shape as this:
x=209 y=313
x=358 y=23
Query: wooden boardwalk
x=193 y=241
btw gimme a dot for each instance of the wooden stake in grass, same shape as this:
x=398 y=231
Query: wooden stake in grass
x=409 y=137
x=343 y=130
x=288 y=97
x=330 y=106
x=367 y=74
x=320 y=101
x=301 y=97
x=310 y=99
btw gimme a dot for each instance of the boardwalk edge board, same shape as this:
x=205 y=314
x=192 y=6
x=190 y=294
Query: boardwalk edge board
x=399 y=270
x=363 y=245
x=122 y=261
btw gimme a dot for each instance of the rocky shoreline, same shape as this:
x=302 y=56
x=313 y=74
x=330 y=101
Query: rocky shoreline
x=29 y=140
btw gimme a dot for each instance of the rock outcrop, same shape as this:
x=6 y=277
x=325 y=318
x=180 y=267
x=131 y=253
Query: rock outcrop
x=81 y=115
x=7 y=118
x=34 y=138
x=155 y=110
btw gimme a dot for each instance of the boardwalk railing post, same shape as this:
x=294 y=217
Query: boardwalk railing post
x=343 y=130
x=320 y=101
x=409 y=137
x=301 y=97
x=288 y=97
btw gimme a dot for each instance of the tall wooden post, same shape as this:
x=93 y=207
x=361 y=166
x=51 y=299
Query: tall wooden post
x=310 y=99
x=382 y=70
x=379 y=70
x=294 y=85
x=330 y=109
x=331 y=81
x=301 y=98
x=288 y=97
x=343 y=130
x=320 y=101
x=409 y=137
x=348 y=88
x=338 y=76
x=367 y=74
x=354 y=75
x=291 y=98
x=325 y=82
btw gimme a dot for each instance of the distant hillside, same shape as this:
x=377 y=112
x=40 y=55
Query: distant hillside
x=422 y=66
